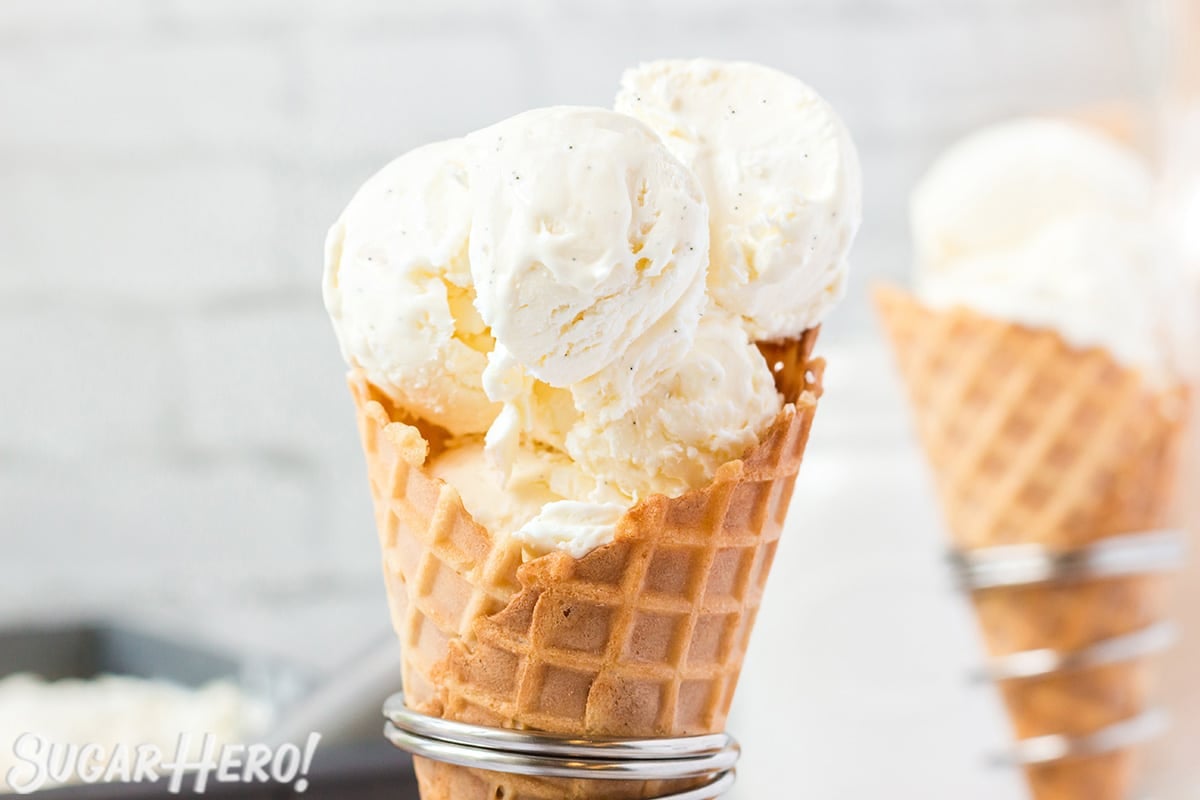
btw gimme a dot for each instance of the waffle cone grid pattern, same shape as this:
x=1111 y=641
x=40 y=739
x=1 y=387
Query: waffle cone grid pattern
x=641 y=637
x=1034 y=442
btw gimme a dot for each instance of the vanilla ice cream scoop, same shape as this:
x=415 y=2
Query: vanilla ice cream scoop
x=586 y=233
x=398 y=288
x=547 y=280
x=588 y=250
x=707 y=409
x=1004 y=184
x=710 y=409
x=547 y=502
x=1046 y=223
x=782 y=180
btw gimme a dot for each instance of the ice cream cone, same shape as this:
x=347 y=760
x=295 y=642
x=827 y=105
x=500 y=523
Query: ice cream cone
x=641 y=637
x=1034 y=442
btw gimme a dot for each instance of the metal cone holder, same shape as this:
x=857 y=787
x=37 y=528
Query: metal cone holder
x=711 y=757
x=1025 y=565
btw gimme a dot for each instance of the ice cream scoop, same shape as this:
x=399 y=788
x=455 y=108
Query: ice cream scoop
x=705 y=410
x=547 y=501
x=1046 y=223
x=709 y=409
x=398 y=289
x=782 y=180
x=595 y=351
x=589 y=243
x=586 y=233
x=1003 y=184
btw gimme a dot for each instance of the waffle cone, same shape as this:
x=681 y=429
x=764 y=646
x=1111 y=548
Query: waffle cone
x=643 y=637
x=1034 y=442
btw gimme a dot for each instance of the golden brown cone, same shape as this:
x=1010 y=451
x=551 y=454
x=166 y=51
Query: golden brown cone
x=1035 y=442
x=641 y=637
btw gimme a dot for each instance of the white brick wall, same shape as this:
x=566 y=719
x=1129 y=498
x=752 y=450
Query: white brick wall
x=160 y=233
x=264 y=378
x=71 y=17
x=140 y=96
x=369 y=95
x=220 y=16
x=309 y=197
x=80 y=380
x=194 y=523
x=173 y=424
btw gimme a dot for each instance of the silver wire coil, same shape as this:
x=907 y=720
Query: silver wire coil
x=711 y=756
x=1140 y=553
x=1026 y=564
x=1118 y=736
x=1035 y=663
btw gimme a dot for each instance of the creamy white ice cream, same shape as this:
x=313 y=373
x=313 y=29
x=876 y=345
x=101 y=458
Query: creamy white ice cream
x=618 y=365
x=782 y=180
x=588 y=249
x=398 y=289
x=573 y=527
x=546 y=502
x=709 y=410
x=1046 y=223
x=586 y=232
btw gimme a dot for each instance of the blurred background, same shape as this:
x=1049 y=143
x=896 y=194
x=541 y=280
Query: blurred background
x=177 y=446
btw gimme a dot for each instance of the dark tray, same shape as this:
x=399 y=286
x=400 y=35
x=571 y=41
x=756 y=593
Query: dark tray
x=88 y=649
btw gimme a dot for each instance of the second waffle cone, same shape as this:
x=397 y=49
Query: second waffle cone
x=641 y=637
x=1034 y=442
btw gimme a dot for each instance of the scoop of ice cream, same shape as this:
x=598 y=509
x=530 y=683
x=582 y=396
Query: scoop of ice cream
x=588 y=247
x=710 y=409
x=1004 y=184
x=1079 y=276
x=398 y=288
x=570 y=526
x=483 y=489
x=782 y=180
x=1046 y=223
x=547 y=502
x=586 y=233
x=601 y=362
